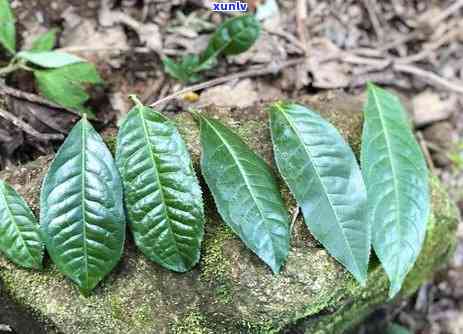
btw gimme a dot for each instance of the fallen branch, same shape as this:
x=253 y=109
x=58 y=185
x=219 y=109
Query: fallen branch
x=33 y=98
x=245 y=74
x=28 y=129
x=429 y=77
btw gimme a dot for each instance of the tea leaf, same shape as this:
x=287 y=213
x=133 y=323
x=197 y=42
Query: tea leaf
x=233 y=37
x=322 y=173
x=19 y=232
x=49 y=59
x=162 y=194
x=396 y=177
x=245 y=192
x=82 y=215
x=7 y=28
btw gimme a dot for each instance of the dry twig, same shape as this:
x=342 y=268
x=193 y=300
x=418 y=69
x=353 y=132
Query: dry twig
x=28 y=129
x=264 y=70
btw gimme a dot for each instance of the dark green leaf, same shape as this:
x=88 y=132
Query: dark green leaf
x=19 y=232
x=65 y=85
x=44 y=42
x=396 y=177
x=7 y=28
x=49 y=59
x=82 y=216
x=162 y=194
x=233 y=37
x=322 y=173
x=245 y=192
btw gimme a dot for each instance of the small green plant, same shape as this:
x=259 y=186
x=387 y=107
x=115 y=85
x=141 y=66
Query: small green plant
x=60 y=77
x=233 y=37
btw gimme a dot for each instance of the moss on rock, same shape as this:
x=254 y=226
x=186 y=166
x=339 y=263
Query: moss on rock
x=231 y=290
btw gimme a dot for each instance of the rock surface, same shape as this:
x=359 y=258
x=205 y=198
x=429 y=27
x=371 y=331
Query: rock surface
x=230 y=291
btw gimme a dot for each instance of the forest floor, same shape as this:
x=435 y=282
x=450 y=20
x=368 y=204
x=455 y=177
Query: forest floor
x=306 y=47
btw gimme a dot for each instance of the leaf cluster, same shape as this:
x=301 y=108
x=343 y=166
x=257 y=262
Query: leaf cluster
x=233 y=37
x=60 y=76
x=84 y=193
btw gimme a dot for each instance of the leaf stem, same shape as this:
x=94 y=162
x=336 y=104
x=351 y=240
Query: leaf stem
x=135 y=100
x=11 y=67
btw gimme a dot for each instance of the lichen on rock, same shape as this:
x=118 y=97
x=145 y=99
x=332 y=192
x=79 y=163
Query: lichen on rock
x=231 y=290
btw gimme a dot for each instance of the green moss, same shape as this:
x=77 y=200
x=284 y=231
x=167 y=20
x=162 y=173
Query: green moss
x=111 y=142
x=192 y=323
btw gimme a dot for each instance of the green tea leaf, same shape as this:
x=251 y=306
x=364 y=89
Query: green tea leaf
x=44 y=42
x=396 y=177
x=82 y=216
x=162 y=194
x=7 y=28
x=322 y=173
x=49 y=59
x=19 y=232
x=245 y=192
x=233 y=37
x=65 y=85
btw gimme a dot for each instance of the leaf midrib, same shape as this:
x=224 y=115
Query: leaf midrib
x=83 y=206
x=10 y=214
x=307 y=150
x=158 y=180
x=245 y=177
x=389 y=158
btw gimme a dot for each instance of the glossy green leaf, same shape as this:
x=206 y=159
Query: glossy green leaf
x=396 y=177
x=66 y=85
x=49 y=59
x=162 y=193
x=233 y=37
x=19 y=232
x=44 y=42
x=245 y=192
x=322 y=173
x=82 y=216
x=7 y=28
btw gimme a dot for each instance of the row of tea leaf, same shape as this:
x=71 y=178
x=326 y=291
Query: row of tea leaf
x=83 y=220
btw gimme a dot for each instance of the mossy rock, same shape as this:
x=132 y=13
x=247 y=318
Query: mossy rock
x=231 y=290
